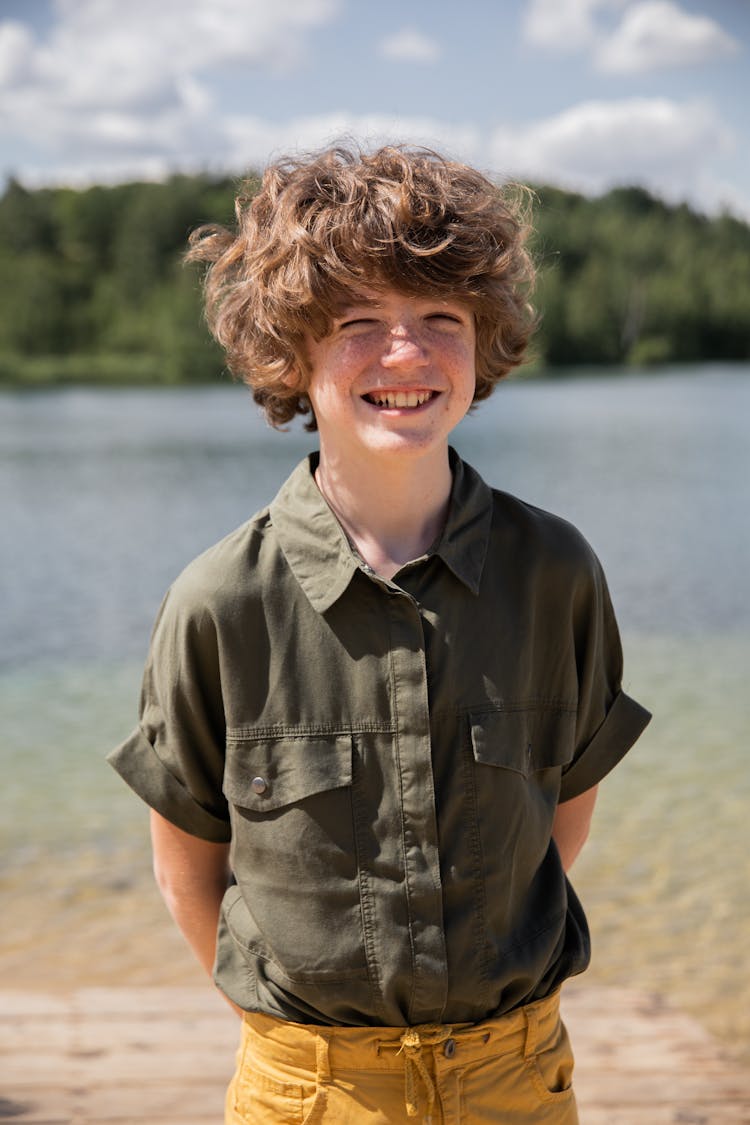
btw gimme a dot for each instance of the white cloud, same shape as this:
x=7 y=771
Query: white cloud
x=650 y=35
x=657 y=34
x=117 y=90
x=665 y=145
x=410 y=45
x=16 y=51
x=147 y=58
x=254 y=141
x=670 y=147
x=233 y=144
x=564 y=25
x=180 y=36
x=127 y=85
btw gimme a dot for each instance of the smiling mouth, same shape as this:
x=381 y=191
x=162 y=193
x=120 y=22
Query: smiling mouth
x=392 y=400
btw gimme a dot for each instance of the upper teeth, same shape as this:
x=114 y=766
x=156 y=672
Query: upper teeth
x=400 y=398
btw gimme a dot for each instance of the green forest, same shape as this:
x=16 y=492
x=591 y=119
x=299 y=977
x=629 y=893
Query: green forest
x=93 y=289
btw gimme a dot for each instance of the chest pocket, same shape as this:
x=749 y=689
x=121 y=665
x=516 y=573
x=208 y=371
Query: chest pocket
x=524 y=739
x=262 y=776
x=518 y=758
x=294 y=856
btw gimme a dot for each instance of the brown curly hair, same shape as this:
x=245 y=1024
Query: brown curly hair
x=321 y=228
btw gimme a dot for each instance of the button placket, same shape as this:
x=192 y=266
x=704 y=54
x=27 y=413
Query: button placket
x=414 y=747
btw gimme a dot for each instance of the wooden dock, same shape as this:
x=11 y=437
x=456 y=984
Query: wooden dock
x=154 y=1056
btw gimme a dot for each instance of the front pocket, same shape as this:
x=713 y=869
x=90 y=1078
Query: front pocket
x=258 y=1097
x=294 y=856
x=551 y=1068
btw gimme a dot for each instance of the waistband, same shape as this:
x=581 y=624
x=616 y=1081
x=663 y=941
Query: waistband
x=327 y=1050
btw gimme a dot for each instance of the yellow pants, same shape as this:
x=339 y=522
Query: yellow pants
x=515 y=1070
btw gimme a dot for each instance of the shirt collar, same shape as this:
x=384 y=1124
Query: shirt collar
x=321 y=557
x=465 y=539
x=311 y=537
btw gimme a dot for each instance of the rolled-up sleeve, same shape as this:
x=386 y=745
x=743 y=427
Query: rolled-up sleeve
x=608 y=721
x=624 y=723
x=174 y=759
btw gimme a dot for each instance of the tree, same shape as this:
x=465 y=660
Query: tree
x=98 y=274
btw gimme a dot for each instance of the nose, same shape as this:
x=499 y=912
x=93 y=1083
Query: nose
x=404 y=348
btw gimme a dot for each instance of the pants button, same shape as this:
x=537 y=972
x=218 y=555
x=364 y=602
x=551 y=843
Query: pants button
x=449 y=1049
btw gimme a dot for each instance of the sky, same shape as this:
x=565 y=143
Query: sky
x=585 y=94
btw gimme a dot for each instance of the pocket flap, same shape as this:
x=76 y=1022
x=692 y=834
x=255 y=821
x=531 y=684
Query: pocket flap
x=523 y=739
x=270 y=773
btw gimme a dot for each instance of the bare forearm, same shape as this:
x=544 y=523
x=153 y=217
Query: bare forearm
x=192 y=876
x=571 y=826
x=195 y=910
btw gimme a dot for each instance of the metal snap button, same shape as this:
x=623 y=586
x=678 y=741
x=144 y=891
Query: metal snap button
x=259 y=785
x=449 y=1049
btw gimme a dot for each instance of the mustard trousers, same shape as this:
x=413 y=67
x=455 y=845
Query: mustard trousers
x=515 y=1070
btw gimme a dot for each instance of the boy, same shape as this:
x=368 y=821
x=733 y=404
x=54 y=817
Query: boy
x=374 y=718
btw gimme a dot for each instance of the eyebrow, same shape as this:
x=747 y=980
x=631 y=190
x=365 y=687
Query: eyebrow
x=360 y=301
x=357 y=302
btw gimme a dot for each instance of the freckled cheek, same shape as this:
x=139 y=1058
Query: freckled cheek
x=466 y=378
x=355 y=352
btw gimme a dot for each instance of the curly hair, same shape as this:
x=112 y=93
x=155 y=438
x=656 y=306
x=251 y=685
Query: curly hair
x=321 y=228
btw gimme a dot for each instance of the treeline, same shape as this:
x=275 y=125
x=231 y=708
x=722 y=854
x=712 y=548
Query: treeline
x=92 y=287
x=628 y=279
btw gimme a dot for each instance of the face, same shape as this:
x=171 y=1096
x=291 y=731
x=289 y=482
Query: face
x=394 y=376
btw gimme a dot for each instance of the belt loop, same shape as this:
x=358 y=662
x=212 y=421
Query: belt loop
x=322 y=1062
x=317 y=1113
x=532 y=1031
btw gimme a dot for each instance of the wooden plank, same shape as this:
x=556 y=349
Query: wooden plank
x=637 y=1059
x=115 y=1056
x=151 y=1056
x=663 y=1115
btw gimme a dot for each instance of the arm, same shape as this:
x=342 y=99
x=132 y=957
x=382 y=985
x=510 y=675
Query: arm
x=192 y=875
x=570 y=828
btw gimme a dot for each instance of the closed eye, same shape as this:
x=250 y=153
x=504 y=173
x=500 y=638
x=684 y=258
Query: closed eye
x=446 y=317
x=356 y=322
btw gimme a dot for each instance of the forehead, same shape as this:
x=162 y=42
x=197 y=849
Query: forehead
x=383 y=296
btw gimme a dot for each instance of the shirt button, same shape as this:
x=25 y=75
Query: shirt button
x=449 y=1049
x=259 y=785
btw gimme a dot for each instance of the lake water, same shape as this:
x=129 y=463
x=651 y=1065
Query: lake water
x=106 y=494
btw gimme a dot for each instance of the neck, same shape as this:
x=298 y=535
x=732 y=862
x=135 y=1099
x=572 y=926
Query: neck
x=391 y=514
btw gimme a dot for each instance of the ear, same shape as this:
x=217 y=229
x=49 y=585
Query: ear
x=294 y=379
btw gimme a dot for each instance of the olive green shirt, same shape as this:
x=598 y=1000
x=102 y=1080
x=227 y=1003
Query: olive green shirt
x=386 y=757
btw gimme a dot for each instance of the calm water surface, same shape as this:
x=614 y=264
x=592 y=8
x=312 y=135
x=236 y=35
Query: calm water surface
x=107 y=494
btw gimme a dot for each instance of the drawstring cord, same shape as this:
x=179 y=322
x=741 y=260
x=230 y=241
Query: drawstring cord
x=412 y=1042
